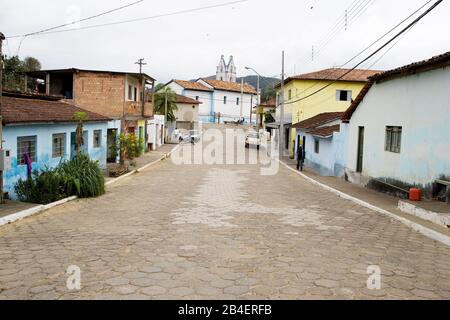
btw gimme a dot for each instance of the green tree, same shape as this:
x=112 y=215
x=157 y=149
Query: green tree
x=162 y=93
x=14 y=73
x=268 y=93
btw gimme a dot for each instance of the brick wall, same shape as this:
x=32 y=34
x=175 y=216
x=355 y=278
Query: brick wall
x=102 y=93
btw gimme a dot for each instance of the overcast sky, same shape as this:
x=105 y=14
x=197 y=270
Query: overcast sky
x=189 y=45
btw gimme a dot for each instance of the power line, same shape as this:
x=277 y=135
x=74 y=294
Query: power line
x=374 y=53
x=148 y=18
x=47 y=30
x=370 y=46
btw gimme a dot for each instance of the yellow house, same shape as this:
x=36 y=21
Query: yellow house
x=310 y=94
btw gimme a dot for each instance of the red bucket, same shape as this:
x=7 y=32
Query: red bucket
x=415 y=194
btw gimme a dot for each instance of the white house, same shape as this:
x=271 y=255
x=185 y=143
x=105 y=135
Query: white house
x=221 y=99
x=187 y=114
x=399 y=126
x=323 y=143
x=230 y=101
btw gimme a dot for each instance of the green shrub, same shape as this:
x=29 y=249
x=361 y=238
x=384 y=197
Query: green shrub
x=83 y=176
x=43 y=187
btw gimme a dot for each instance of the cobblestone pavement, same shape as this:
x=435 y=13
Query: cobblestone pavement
x=218 y=232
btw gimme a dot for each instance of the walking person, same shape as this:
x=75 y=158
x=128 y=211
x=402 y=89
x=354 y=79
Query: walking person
x=300 y=157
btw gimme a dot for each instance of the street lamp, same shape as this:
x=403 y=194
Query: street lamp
x=258 y=97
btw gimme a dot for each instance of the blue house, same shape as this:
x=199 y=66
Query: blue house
x=323 y=139
x=43 y=128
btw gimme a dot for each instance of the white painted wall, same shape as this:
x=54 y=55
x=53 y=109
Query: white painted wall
x=187 y=112
x=232 y=110
x=134 y=82
x=421 y=105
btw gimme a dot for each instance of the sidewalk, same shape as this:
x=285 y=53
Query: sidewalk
x=11 y=207
x=148 y=158
x=13 y=211
x=374 y=198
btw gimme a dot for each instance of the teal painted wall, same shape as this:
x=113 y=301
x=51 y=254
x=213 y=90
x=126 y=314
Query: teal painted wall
x=44 y=159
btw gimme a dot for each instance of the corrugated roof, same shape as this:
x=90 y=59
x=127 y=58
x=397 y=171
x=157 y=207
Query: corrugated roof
x=34 y=109
x=435 y=62
x=41 y=73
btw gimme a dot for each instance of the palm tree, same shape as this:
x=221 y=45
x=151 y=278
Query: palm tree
x=163 y=93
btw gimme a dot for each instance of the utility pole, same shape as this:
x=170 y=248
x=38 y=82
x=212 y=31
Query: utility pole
x=242 y=96
x=141 y=63
x=2 y=37
x=165 y=116
x=258 y=102
x=281 y=135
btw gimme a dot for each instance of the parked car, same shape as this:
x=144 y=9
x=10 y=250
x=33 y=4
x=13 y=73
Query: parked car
x=253 y=139
x=193 y=136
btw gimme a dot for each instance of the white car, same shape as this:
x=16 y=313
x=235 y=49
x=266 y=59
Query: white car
x=253 y=139
x=193 y=136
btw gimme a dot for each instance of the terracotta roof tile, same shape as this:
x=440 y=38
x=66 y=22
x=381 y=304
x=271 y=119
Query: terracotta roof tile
x=333 y=74
x=187 y=100
x=30 y=109
x=319 y=120
x=325 y=132
x=190 y=85
x=230 y=86
x=425 y=65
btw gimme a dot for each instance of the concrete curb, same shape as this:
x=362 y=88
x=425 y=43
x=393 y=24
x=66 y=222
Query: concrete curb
x=41 y=208
x=32 y=211
x=436 y=218
x=165 y=156
x=415 y=226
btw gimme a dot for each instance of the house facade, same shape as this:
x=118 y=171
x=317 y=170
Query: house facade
x=399 y=126
x=120 y=96
x=219 y=99
x=44 y=128
x=338 y=88
x=187 y=114
x=323 y=143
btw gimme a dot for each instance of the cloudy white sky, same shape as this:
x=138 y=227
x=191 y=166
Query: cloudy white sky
x=189 y=45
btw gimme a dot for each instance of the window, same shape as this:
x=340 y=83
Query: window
x=225 y=100
x=97 y=138
x=393 y=139
x=344 y=95
x=58 y=145
x=237 y=101
x=316 y=146
x=197 y=97
x=290 y=94
x=26 y=146
x=135 y=94
x=130 y=93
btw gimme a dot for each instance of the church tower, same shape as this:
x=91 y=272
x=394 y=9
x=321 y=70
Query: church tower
x=221 y=73
x=231 y=71
x=226 y=72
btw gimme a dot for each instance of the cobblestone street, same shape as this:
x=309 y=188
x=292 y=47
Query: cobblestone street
x=218 y=232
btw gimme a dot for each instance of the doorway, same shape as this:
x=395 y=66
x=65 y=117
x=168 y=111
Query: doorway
x=360 y=160
x=73 y=140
